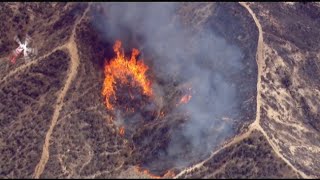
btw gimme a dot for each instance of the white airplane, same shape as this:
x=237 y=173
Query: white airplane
x=22 y=48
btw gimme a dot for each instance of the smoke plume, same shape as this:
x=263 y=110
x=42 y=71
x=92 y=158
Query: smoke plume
x=199 y=58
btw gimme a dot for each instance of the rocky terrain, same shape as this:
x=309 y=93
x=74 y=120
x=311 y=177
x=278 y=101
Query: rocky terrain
x=54 y=122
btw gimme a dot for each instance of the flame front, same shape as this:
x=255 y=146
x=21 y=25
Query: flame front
x=168 y=174
x=119 y=69
x=132 y=72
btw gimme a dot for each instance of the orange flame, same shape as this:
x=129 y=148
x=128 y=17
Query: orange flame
x=145 y=172
x=168 y=174
x=121 y=131
x=185 y=99
x=119 y=69
x=162 y=114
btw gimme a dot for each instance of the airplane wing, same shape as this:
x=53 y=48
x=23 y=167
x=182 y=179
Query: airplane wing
x=28 y=40
x=17 y=40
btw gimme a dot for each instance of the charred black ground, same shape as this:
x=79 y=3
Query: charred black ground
x=150 y=133
x=85 y=141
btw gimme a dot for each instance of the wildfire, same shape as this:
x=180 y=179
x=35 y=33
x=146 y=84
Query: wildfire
x=168 y=174
x=121 y=131
x=185 y=99
x=119 y=69
x=162 y=114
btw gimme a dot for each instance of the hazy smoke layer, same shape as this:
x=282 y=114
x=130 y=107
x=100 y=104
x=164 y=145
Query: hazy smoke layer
x=202 y=59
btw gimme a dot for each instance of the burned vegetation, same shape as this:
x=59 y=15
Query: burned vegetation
x=191 y=88
x=152 y=124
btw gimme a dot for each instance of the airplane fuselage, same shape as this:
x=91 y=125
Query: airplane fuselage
x=16 y=53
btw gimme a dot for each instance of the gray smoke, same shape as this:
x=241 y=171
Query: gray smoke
x=202 y=59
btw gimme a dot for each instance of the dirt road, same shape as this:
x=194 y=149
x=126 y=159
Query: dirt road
x=71 y=46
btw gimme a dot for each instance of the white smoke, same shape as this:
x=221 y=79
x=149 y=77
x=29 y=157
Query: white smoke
x=202 y=58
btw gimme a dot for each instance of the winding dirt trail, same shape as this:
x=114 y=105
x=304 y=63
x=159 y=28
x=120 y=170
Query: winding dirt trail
x=71 y=46
x=24 y=66
x=260 y=60
x=256 y=124
x=228 y=144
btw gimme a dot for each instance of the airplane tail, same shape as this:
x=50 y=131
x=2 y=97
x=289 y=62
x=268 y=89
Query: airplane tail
x=12 y=58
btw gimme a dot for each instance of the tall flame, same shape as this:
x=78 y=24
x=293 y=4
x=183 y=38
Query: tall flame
x=119 y=69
